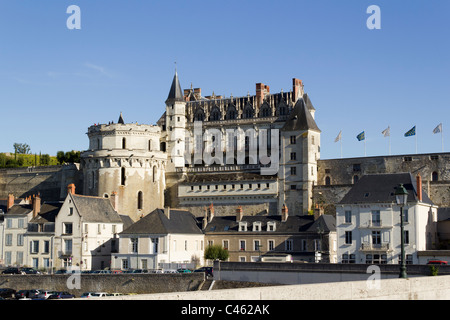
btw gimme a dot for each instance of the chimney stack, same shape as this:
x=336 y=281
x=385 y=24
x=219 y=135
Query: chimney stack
x=114 y=199
x=297 y=88
x=317 y=213
x=211 y=212
x=36 y=205
x=10 y=202
x=284 y=213
x=261 y=91
x=239 y=214
x=419 y=186
x=167 y=212
x=71 y=188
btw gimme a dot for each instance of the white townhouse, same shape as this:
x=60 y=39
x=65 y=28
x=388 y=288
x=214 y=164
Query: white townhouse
x=161 y=237
x=368 y=221
x=86 y=231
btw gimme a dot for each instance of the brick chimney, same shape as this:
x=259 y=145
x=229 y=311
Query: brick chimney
x=261 y=91
x=10 y=202
x=297 y=88
x=71 y=188
x=114 y=199
x=167 y=212
x=239 y=214
x=284 y=213
x=36 y=205
x=419 y=186
x=210 y=212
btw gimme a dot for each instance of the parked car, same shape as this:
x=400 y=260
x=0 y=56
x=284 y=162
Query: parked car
x=30 y=271
x=439 y=262
x=61 y=271
x=99 y=294
x=23 y=294
x=61 y=295
x=45 y=294
x=116 y=271
x=7 y=293
x=12 y=270
x=181 y=270
x=207 y=270
x=87 y=295
x=101 y=272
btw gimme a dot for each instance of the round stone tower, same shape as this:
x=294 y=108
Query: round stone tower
x=124 y=162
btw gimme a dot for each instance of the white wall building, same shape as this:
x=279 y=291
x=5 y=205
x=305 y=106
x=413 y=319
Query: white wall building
x=163 y=236
x=368 y=221
x=86 y=231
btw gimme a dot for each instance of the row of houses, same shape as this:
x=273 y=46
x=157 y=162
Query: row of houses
x=87 y=232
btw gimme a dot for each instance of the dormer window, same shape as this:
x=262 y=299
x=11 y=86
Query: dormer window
x=242 y=226
x=271 y=226
x=257 y=226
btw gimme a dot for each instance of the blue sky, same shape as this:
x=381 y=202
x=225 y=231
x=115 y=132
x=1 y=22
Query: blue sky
x=56 y=82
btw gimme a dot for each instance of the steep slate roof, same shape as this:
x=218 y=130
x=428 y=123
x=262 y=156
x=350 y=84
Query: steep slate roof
x=308 y=102
x=294 y=224
x=156 y=222
x=48 y=213
x=325 y=223
x=20 y=209
x=175 y=93
x=300 y=118
x=95 y=209
x=380 y=188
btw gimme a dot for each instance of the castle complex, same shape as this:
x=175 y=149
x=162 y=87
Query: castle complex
x=259 y=152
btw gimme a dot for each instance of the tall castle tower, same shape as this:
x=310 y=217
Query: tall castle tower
x=124 y=162
x=175 y=126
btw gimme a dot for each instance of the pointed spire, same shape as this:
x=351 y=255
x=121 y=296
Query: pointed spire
x=121 y=119
x=175 y=93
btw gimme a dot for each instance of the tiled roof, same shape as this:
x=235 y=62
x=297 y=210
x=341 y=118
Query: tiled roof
x=156 y=222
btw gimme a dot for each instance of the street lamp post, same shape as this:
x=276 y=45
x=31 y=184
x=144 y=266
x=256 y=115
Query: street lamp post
x=401 y=196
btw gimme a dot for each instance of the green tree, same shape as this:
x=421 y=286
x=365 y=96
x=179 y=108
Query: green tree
x=44 y=160
x=60 y=156
x=21 y=148
x=216 y=252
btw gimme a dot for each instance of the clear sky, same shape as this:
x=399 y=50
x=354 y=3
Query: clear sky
x=56 y=82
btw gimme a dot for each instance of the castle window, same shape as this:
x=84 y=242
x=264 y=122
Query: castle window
x=293 y=139
x=163 y=146
x=327 y=180
x=248 y=113
x=293 y=171
x=215 y=115
x=140 y=200
x=434 y=176
x=149 y=145
x=122 y=176
x=231 y=113
x=124 y=143
x=293 y=156
x=154 y=173
x=355 y=179
x=265 y=112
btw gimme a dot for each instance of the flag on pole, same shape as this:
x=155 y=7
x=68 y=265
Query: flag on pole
x=411 y=132
x=339 y=137
x=386 y=132
x=361 y=136
x=438 y=128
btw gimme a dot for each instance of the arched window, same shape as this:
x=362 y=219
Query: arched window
x=215 y=114
x=231 y=113
x=248 y=113
x=199 y=115
x=140 y=200
x=434 y=176
x=155 y=171
x=122 y=176
x=124 y=143
x=327 y=181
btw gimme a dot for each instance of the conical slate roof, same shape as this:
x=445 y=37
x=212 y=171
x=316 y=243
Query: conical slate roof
x=175 y=93
x=300 y=119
